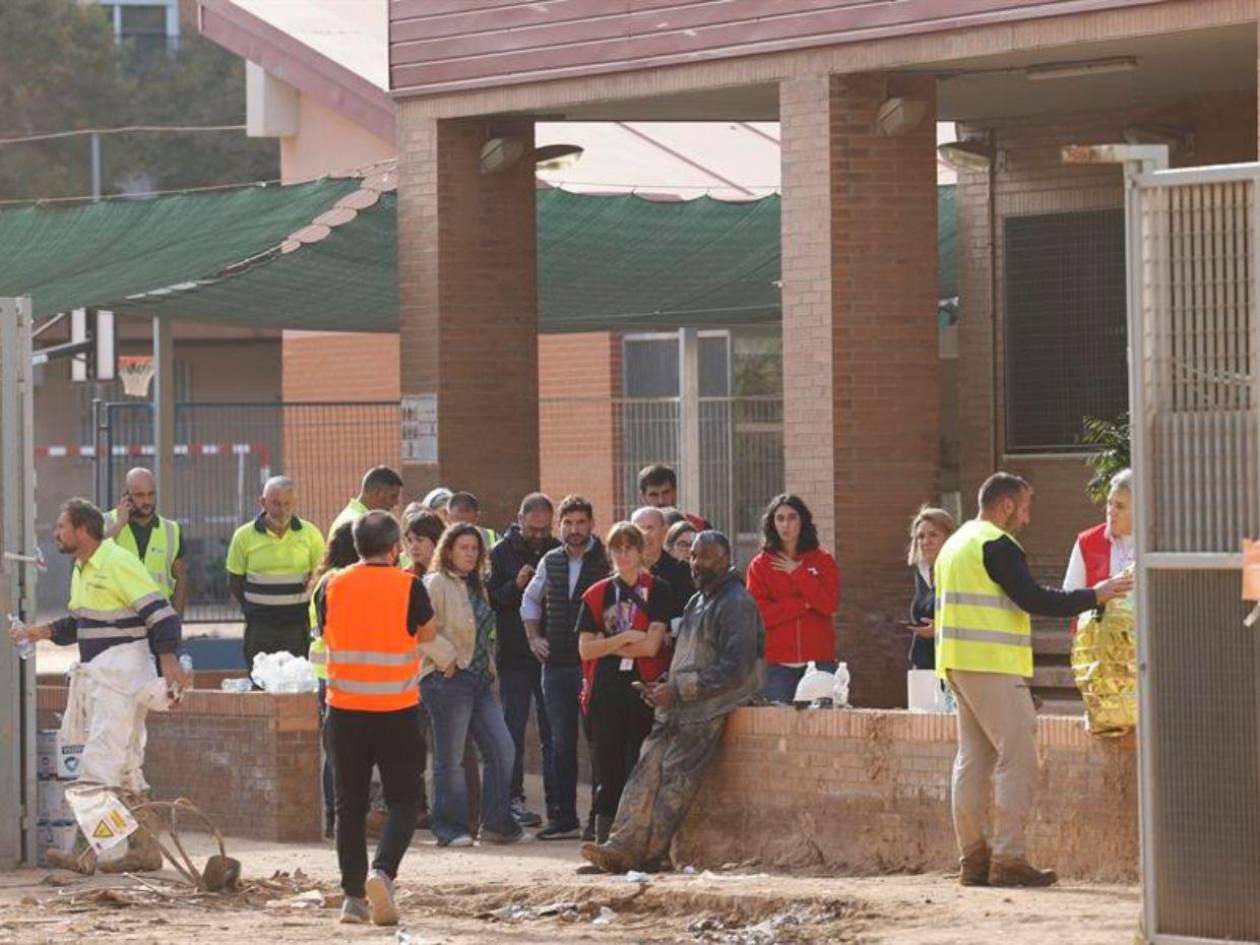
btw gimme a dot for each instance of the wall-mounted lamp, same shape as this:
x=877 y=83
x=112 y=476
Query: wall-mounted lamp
x=500 y=153
x=968 y=155
x=900 y=115
x=557 y=157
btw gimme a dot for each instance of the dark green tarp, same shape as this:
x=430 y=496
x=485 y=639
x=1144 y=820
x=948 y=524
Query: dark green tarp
x=603 y=262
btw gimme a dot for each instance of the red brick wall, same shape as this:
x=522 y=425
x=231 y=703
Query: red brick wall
x=860 y=349
x=340 y=366
x=250 y=761
x=868 y=791
x=578 y=422
x=469 y=325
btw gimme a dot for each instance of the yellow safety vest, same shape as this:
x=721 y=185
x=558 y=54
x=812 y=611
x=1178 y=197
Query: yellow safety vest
x=159 y=555
x=114 y=600
x=318 y=654
x=978 y=628
x=275 y=568
x=353 y=511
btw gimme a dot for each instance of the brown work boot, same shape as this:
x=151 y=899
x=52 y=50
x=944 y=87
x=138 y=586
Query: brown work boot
x=1017 y=871
x=975 y=865
x=607 y=857
x=82 y=859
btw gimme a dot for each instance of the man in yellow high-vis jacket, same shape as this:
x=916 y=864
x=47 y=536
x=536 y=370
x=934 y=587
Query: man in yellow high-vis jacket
x=157 y=541
x=119 y=619
x=985 y=595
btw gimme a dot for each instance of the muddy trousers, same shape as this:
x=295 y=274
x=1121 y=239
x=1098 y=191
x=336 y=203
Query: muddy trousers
x=662 y=786
x=997 y=749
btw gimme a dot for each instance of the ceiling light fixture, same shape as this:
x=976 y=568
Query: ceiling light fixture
x=1084 y=67
x=968 y=155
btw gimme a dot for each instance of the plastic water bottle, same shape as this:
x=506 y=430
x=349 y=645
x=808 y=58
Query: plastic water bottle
x=186 y=661
x=25 y=648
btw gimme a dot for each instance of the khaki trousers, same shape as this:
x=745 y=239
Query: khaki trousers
x=997 y=747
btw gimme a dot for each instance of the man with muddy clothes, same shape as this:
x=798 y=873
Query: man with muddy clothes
x=714 y=670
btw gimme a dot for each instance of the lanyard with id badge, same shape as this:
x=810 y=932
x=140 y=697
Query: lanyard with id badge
x=623 y=616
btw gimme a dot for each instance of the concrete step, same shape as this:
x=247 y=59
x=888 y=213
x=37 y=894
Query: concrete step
x=1052 y=643
x=1053 y=677
x=1072 y=707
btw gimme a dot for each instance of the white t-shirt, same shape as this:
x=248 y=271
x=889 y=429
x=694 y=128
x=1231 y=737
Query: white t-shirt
x=1121 y=558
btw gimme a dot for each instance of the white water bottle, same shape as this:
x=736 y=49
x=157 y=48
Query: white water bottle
x=186 y=661
x=25 y=648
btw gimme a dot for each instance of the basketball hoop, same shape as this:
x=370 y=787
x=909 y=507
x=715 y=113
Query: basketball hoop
x=136 y=371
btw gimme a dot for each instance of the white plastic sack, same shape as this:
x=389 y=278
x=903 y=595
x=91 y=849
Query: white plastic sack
x=103 y=818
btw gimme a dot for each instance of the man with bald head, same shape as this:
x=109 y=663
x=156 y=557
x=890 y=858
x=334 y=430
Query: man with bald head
x=665 y=567
x=158 y=542
x=269 y=565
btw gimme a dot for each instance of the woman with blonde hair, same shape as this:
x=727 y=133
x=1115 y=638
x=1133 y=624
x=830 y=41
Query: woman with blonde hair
x=929 y=529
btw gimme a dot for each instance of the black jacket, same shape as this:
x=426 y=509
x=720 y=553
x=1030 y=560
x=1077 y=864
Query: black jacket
x=678 y=576
x=507 y=557
x=560 y=608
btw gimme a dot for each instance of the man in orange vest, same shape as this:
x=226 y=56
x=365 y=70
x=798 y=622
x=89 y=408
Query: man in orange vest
x=377 y=620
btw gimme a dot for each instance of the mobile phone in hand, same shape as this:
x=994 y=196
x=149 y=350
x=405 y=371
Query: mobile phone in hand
x=638 y=687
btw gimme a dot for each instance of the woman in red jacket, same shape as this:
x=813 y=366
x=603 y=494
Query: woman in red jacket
x=797 y=589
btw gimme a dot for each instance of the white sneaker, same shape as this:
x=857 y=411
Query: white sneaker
x=380 y=893
x=354 y=911
x=463 y=840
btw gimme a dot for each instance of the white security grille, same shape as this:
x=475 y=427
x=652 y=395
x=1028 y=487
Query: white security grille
x=1192 y=243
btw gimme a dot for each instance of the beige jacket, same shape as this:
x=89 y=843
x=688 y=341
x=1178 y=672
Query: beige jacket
x=456 y=624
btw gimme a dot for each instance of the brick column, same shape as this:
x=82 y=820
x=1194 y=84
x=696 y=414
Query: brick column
x=469 y=324
x=861 y=369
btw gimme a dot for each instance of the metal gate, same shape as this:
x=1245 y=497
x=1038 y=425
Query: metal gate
x=1193 y=237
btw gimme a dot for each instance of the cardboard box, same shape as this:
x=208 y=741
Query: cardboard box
x=52 y=804
x=55 y=760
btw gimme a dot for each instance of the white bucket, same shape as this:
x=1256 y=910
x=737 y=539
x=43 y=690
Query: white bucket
x=924 y=692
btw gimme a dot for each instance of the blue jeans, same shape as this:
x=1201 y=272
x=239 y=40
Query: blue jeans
x=562 y=691
x=781 y=680
x=458 y=707
x=518 y=687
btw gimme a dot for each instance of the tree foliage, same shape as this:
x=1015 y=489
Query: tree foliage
x=1112 y=439
x=61 y=70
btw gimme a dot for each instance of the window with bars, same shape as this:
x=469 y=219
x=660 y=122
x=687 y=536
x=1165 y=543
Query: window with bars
x=1065 y=326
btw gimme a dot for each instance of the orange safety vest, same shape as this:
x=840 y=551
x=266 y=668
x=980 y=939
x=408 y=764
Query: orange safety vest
x=373 y=662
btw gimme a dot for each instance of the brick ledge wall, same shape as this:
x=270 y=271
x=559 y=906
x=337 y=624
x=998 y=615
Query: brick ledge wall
x=249 y=760
x=867 y=791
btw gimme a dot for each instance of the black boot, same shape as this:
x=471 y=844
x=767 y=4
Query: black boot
x=588 y=832
x=603 y=827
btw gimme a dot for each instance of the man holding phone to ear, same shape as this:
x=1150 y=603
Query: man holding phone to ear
x=136 y=526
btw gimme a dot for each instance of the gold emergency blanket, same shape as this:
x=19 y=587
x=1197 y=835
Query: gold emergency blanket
x=1104 y=664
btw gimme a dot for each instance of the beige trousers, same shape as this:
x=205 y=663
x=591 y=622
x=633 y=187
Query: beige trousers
x=997 y=748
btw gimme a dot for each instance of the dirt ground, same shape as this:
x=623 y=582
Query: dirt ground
x=530 y=894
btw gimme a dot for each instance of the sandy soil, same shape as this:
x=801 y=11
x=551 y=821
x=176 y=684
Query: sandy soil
x=530 y=894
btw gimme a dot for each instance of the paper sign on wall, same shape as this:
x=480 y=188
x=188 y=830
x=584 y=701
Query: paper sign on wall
x=419 y=415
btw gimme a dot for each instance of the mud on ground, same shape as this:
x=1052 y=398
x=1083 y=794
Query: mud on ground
x=530 y=894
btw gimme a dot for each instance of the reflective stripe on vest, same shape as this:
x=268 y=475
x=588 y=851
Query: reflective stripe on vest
x=276 y=590
x=108 y=594
x=372 y=661
x=978 y=628
x=159 y=554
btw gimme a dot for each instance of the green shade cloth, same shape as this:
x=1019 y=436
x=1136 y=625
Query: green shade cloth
x=604 y=263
